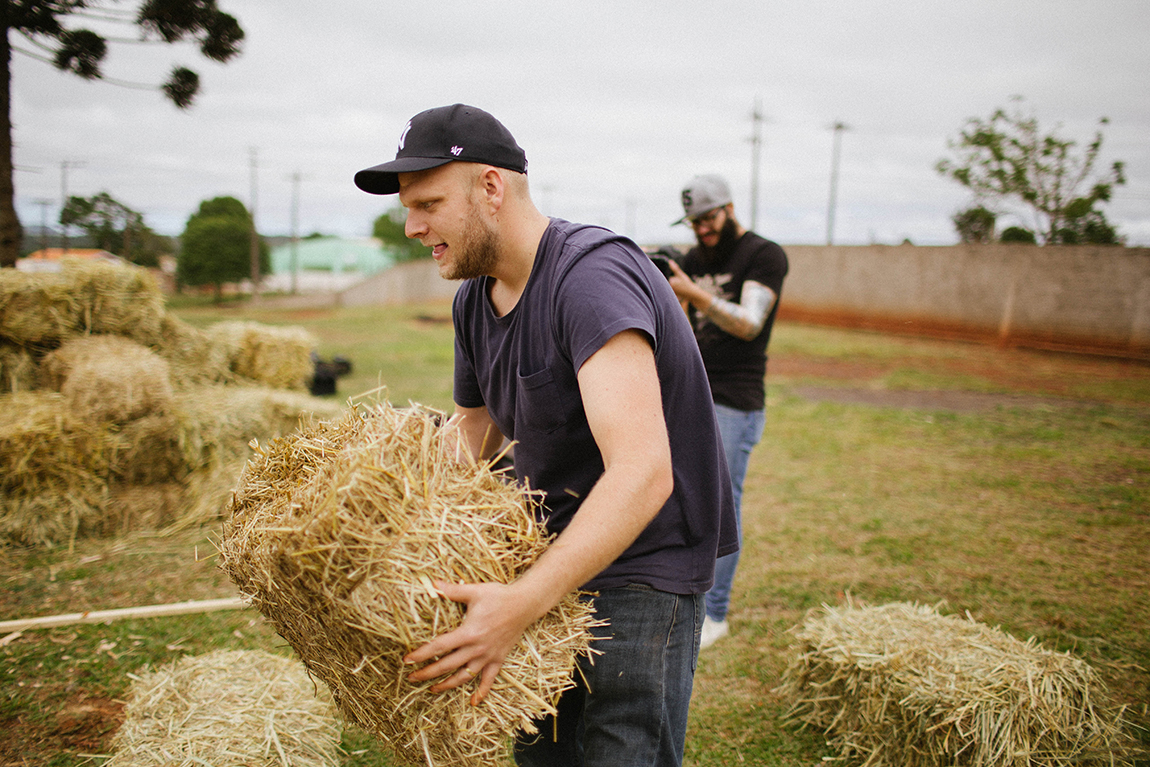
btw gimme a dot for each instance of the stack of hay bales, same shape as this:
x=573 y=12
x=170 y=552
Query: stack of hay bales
x=115 y=415
x=902 y=685
x=338 y=532
x=227 y=707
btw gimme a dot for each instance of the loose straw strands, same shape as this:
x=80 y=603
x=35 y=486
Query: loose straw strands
x=227 y=707
x=339 y=531
x=902 y=685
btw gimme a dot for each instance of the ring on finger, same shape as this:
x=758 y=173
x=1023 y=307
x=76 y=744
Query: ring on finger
x=469 y=672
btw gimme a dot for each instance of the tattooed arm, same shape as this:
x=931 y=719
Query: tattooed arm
x=743 y=320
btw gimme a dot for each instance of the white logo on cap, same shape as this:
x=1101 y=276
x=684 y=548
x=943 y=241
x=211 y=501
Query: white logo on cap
x=455 y=150
x=403 y=136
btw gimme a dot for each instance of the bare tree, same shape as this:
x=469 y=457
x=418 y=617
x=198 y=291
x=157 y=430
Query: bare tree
x=51 y=28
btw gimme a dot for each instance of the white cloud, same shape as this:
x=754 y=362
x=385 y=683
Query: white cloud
x=617 y=104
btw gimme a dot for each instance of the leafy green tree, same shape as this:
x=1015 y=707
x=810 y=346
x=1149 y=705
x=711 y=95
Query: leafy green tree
x=1086 y=225
x=215 y=247
x=116 y=228
x=1009 y=158
x=388 y=228
x=1018 y=234
x=47 y=25
x=975 y=224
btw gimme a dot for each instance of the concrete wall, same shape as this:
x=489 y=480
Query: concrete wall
x=1087 y=298
x=411 y=282
x=1084 y=298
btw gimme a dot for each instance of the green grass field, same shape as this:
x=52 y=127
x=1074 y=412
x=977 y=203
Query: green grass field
x=1029 y=507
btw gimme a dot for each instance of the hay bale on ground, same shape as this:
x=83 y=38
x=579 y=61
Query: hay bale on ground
x=227 y=707
x=143 y=507
x=117 y=299
x=56 y=468
x=217 y=422
x=18 y=368
x=904 y=686
x=337 y=533
x=193 y=357
x=37 y=309
x=43 y=309
x=53 y=468
x=274 y=356
x=109 y=378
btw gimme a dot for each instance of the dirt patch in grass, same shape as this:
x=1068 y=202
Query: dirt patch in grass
x=954 y=401
x=964 y=378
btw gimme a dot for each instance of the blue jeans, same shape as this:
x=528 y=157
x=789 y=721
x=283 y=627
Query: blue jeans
x=629 y=708
x=741 y=430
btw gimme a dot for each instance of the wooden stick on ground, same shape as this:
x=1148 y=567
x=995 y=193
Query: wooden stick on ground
x=105 y=616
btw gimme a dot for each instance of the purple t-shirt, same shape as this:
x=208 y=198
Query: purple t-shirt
x=586 y=286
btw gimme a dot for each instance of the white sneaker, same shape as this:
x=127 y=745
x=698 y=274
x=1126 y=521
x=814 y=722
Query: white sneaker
x=713 y=631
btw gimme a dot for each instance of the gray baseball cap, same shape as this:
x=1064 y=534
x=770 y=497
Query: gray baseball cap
x=703 y=194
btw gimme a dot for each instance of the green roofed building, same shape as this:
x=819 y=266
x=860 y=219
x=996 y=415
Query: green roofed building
x=326 y=263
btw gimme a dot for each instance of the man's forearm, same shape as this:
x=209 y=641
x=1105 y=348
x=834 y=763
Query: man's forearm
x=477 y=432
x=619 y=507
x=745 y=319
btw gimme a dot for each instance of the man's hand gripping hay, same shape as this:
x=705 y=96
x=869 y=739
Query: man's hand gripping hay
x=348 y=534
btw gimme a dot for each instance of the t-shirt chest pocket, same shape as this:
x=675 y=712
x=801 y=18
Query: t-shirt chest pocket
x=538 y=404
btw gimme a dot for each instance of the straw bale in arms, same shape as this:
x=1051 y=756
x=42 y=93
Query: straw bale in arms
x=904 y=686
x=337 y=534
x=227 y=707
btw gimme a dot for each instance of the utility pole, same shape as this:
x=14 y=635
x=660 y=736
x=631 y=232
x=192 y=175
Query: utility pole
x=295 y=179
x=836 y=145
x=255 y=239
x=43 y=203
x=756 y=145
x=64 y=165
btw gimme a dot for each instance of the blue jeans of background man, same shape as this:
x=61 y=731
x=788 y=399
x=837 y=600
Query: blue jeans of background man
x=640 y=687
x=741 y=430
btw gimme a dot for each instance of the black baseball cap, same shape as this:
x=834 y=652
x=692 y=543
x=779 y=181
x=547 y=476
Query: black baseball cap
x=438 y=136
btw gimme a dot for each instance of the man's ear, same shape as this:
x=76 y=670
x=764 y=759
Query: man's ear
x=492 y=186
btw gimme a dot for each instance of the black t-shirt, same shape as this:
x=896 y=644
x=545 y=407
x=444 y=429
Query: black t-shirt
x=586 y=286
x=737 y=368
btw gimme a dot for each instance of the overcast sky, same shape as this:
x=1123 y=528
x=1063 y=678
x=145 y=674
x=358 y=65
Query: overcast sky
x=617 y=104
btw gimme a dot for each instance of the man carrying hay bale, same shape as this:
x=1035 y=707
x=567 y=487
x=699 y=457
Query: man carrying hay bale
x=571 y=343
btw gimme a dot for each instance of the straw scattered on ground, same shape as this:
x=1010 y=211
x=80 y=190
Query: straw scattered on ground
x=337 y=533
x=236 y=707
x=904 y=686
